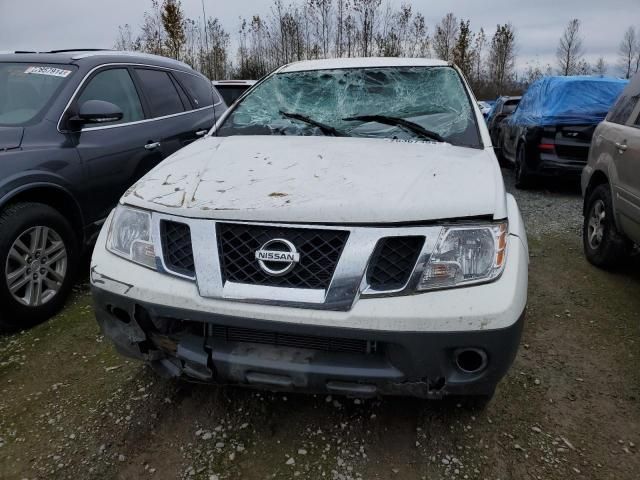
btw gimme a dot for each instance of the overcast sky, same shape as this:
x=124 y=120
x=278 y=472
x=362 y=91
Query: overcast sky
x=57 y=24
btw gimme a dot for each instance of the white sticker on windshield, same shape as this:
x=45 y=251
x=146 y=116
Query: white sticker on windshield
x=51 y=71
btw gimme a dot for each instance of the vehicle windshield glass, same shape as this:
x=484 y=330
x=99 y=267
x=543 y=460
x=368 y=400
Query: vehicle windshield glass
x=26 y=88
x=433 y=99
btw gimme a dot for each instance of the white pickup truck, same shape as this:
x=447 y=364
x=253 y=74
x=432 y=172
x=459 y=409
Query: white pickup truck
x=344 y=228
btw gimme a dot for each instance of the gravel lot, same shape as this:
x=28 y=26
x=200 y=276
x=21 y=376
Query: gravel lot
x=70 y=407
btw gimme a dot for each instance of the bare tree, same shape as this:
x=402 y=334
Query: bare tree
x=367 y=13
x=502 y=57
x=583 y=68
x=478 y=58
x=629 y=52
x=125 y=40
x=445 y=37
x=153 y=35
x=462 y=51
x=342 y=6
x=570 y=51
x=600 y=67
x=419 y=38
x=217 y=57
x=321 y=11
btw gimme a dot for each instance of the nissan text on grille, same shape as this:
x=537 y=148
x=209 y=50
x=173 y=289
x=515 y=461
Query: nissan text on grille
x=344 y=228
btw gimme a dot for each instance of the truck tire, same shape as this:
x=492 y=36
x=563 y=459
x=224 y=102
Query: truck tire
x=38 y=261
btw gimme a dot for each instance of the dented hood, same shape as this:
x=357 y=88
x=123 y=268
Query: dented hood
x=323 y=180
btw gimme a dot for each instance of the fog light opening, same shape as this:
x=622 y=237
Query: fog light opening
x=471 y=360
x=120 y=314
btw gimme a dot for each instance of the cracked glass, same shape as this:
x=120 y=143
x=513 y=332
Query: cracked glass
x=433 y=98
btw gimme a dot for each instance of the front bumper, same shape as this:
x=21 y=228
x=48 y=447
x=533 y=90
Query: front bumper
x=391 y=345
x=412 y=342
x=182 y=343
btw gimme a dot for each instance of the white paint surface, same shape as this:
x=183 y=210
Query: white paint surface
x=323 y=180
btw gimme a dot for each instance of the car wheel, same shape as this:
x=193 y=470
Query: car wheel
x=604 y=246
x=38 y=260
x=523 y=177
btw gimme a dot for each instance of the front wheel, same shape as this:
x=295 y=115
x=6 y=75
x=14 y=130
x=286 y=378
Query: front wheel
x=38 y=259
x=604 y=245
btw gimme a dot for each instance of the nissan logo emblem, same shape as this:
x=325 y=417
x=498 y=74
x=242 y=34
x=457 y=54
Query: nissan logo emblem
x=275 y=253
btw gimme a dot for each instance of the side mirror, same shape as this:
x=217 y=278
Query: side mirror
x=97 y=111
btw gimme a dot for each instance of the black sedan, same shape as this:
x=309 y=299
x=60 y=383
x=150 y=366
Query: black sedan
x=550 y=131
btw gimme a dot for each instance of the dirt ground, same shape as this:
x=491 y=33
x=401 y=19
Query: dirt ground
x=70 y=407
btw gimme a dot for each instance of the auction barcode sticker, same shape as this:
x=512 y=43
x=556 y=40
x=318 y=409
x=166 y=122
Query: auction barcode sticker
x=52 y=71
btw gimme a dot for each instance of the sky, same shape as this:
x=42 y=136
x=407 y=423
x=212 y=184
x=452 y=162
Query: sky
x=57 y=24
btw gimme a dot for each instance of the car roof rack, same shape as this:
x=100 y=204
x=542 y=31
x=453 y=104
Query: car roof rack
x=70 y=50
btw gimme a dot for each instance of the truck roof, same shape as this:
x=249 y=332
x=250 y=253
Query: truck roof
x=337 y=63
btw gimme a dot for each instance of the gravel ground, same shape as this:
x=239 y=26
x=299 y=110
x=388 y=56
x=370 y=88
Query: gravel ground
x=71 y=407
x=552 y=208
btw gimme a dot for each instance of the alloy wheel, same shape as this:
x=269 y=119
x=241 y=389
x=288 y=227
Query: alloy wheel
x=597 y=224
x=36 y=266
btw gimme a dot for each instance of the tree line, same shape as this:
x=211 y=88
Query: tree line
x=314 y=29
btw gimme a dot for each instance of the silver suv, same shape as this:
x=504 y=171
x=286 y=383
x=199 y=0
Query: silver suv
x=611 y=183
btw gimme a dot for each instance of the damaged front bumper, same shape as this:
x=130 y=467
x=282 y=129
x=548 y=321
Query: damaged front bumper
x=208 y=347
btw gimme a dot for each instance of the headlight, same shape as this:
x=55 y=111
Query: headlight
x=130 y=236
x=466 y=255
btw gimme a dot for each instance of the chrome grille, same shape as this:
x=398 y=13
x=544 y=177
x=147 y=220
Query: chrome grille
x=319 y=251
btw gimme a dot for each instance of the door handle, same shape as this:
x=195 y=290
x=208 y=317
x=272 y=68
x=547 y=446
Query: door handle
x=201 y=133
x=152 y=145
x=622 y=147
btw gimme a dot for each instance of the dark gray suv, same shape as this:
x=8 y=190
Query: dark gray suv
x=77 y=128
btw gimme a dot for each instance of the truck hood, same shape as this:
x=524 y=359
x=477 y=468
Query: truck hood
x=10 y=137
x=323 y=180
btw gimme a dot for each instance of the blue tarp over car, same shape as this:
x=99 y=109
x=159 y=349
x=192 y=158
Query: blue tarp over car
x=577 y=100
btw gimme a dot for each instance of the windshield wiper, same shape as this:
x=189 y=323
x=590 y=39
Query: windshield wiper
x=398 y=122
x=326 y=129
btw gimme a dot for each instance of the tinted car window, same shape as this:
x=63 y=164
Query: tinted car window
x=231 y=93
x=510 y=107
x=216 y=97
x=199 y=89
x=115 y=86
x=160 y=92
x=623 y=109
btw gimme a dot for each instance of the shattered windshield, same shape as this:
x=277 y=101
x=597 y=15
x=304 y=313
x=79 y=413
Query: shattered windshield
x=407 y=103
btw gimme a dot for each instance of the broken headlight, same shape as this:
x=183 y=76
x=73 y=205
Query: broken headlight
x=130 y=236
x=466 y=255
